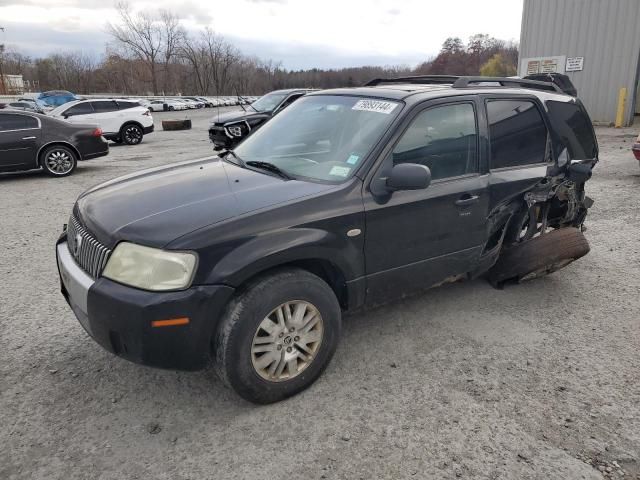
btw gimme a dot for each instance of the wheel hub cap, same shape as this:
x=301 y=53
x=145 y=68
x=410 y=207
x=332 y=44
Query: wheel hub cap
x=287 y=341
x=59 y=162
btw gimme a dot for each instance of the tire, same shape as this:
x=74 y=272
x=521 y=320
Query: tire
x=131 y=134
x=538 y=256
x=171 y=109
x=245 y=353
x=58 y=161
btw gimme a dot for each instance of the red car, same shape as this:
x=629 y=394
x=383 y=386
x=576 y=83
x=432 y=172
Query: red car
x=636 y=148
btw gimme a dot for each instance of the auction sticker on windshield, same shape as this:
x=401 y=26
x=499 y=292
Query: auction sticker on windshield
x=340 y=171
x=379 y=106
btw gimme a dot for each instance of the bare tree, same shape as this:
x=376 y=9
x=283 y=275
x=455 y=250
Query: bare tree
x=195 y=54
x=173 y=35
x=141 y=37
x=222 y=56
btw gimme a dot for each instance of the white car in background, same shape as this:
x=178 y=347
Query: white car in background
x=166 y=105
x=122 y=121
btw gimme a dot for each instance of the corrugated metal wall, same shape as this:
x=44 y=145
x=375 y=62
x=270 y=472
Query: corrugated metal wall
x=605 y=32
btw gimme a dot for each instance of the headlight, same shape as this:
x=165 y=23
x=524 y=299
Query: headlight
x=150 y=268
x=235 y=130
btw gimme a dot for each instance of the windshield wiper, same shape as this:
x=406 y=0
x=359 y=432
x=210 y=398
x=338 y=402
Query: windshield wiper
x=269 y=167
x=228 y=152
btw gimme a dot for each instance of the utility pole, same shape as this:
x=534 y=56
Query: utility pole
x=3 y=87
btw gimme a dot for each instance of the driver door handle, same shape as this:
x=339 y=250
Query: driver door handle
x=467 y=200
x=28 y=138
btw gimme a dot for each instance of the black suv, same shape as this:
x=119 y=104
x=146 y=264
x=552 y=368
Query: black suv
x=229 y=128
x=350 y=197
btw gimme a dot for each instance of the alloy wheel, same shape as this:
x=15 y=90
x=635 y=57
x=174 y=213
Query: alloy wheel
x=132 y=135
x=287 y=341
x=59 y=162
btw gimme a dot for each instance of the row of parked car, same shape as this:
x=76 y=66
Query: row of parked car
x=33 y=134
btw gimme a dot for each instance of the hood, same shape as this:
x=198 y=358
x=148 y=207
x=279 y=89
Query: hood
x=156 y=206
x=235 y=116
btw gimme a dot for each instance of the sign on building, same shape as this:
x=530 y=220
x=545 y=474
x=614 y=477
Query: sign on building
x=574 y=64
x=551 y=64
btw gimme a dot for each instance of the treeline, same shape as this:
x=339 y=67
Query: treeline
x=153 y=54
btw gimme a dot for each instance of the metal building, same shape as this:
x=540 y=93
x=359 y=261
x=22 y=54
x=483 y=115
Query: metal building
x=596 y=43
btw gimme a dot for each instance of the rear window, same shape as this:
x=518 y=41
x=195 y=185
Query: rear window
x=518 y=133
x=127 y=104
x=79 y=109
x=104 y=106
x=571 y=123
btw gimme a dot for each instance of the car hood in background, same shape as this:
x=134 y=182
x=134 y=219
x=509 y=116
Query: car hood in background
x=237 y=116
x=156 y=206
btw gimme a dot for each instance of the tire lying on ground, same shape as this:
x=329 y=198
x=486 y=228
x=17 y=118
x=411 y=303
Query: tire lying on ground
x=176 y=124
x=538 y=256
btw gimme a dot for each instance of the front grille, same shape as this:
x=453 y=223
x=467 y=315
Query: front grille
x=89 y=253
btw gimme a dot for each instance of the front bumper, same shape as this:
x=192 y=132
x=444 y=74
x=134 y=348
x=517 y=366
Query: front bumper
x=220 y=138
x=148 y=130
x=636 y=150
x=119 y=318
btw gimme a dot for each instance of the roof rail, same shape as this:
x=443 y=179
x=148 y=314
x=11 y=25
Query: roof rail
x=416 y=79
x=457 y=81
x=464 y=82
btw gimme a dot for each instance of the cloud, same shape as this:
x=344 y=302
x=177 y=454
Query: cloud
x=339 y=33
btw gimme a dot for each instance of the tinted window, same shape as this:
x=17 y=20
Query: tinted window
x=17 y=122
x=128 y=104
x=572 y=124
x=518 y=133
x=80 y=109
x=443 y=139
x=104 y=106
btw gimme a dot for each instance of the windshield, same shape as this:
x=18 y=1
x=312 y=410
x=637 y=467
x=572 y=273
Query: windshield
x=322 y=137
x=269 y=102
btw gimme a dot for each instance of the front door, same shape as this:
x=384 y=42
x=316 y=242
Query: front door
x=19 y=135
x=416 y=239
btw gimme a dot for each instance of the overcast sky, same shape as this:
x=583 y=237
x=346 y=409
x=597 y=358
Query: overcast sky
x=300 y=33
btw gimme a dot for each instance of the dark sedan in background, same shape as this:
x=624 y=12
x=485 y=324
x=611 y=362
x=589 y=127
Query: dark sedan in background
x=30 y=141
x=229 y=128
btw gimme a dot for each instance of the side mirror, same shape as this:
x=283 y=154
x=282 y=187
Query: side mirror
x=65 y=116
x=408 y=176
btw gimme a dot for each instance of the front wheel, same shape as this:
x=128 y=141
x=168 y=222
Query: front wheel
x=278 y=336
x=131 y=134
x=58 y=161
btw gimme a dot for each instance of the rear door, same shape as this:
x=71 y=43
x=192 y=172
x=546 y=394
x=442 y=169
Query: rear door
x=107 y=115
x=415 y=239
x=19 y=139
x=520 y=146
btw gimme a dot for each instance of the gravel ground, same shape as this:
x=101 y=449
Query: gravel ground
x=535 y=381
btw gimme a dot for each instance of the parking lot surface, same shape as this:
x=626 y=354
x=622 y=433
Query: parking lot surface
x=540 y=380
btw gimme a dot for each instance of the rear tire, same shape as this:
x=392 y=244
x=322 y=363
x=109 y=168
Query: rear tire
x=131 y=134
x=263 y=350
x=538 y=256
x=58 y=161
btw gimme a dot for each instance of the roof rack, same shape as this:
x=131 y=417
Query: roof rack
x=416 y=79
x=467 y=81
x=464 y=82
